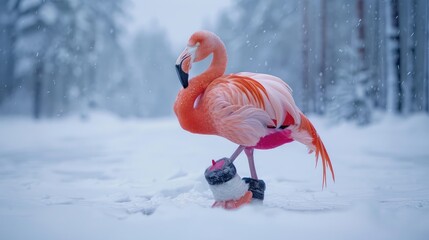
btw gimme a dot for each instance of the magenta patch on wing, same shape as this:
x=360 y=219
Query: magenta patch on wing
x=274 y=140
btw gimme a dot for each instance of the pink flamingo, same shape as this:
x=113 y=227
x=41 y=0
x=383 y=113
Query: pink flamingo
x=255 y=111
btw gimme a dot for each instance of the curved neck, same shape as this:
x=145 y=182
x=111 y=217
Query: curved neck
x=191 y=118
x=216 y=69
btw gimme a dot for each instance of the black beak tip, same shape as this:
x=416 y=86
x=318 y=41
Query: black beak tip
x=182 y=75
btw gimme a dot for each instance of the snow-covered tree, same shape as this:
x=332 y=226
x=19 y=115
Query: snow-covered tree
x=349 y=96
x=420 y=92
x=11 y=12
x=374 y=53
x=66 y=56
x=55 y=47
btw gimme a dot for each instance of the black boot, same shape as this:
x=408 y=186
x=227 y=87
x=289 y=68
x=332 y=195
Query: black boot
x=257 y=187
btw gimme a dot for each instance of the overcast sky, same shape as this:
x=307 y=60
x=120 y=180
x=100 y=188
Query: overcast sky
x=179 y=18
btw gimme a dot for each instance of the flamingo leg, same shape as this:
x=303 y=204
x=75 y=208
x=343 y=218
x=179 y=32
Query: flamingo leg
x=249 y=154
x=236 y=153
x=256 y=186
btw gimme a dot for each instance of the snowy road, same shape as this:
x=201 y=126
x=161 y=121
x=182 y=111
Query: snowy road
x=113 y=179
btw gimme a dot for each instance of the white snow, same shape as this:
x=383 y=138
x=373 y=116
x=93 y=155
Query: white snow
x=109 y=178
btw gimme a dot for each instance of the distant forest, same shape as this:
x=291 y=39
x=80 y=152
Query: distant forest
x=66 y=57
x=348 y=60
x=344 y=59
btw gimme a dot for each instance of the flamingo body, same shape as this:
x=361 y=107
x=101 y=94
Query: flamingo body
x=254 y=110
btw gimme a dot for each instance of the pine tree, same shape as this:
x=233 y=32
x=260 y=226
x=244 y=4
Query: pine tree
x=55 y=48
x=349 y=99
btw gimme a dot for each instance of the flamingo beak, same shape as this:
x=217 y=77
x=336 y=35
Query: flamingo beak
x=182 y=67
x=184 y=64
x=182 y=76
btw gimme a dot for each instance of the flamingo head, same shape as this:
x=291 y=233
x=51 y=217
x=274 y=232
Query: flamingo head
x=200 y=45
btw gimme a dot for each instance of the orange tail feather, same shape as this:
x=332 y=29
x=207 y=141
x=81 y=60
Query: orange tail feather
x=318 y=147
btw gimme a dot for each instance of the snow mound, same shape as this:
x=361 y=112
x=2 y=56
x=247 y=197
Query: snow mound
x=110 y=178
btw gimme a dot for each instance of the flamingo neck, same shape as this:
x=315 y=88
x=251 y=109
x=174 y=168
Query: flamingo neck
x=192 y=116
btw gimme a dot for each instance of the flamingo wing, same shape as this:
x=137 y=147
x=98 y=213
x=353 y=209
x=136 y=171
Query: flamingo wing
x=302 y=130
x=243 y=105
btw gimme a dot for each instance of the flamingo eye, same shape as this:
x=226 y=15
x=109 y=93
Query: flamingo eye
x=196 y=45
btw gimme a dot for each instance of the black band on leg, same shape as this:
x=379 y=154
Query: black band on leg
x=257 y=187
x=222 y=175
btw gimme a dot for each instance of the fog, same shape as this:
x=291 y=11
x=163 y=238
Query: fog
x=344 y=60
x=90 y=147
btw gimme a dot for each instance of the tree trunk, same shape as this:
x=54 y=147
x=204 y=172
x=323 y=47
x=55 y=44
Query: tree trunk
x=37 y=108
x=306 y=98
x=381 y=60
x=322 y=68
x=361 y=31
x=394 y=90
x=8 y=39
x=405 y=51
x=420 y=88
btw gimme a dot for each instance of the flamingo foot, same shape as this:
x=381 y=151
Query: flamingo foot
x=229 y=190
x=233 y=204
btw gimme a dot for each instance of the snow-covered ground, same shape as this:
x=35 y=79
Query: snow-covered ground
x=109 y=178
